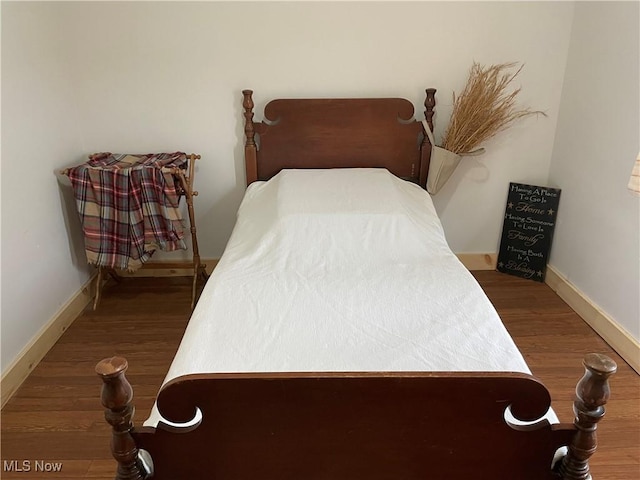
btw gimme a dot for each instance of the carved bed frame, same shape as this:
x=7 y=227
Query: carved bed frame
x=351 y=426
x=338 y=132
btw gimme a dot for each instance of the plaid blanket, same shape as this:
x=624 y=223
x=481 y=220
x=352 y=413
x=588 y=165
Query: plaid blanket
x=128 y=207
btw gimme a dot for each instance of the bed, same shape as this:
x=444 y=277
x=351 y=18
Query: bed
x=339 y=337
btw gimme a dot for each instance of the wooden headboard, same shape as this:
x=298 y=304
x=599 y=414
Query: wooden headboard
x=340 y=132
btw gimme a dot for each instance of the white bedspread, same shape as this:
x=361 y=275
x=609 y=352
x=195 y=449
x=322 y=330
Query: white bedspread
x=341 y=270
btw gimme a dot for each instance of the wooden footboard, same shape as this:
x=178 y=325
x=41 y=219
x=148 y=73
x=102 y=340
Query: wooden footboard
x=338 y=426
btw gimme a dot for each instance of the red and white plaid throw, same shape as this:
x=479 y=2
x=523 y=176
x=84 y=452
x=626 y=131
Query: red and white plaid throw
x=128 y=207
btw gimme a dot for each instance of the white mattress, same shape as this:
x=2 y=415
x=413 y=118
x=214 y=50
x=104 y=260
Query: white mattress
x=341 y=270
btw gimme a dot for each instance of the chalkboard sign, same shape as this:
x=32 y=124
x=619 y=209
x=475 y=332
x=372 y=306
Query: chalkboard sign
x=527 y=231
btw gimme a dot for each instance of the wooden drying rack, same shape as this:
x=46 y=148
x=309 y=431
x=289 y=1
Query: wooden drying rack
x=185 y=188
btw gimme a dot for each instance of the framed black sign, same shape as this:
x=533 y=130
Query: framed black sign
x=527 y=231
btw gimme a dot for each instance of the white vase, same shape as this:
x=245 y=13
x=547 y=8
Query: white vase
x=443 y=163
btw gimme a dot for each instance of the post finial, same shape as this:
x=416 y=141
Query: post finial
x=116 y=397
x=429 y=104
x=250 y=148
x=247 y=103
x=592 y=393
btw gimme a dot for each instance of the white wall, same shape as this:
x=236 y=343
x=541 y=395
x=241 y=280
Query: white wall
x=169 y=76
x=81 y=77
x=42 y=264
x=597 y=238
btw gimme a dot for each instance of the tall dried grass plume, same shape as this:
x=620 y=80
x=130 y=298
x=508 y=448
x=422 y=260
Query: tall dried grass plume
x=485 y=107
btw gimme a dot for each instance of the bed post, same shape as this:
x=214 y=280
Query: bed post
x=250 y=149
x=425 y=148
x=592 y=393
x=116 y=398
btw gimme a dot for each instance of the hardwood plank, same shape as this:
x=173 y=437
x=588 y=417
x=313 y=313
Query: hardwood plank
x=56 y=414
x=57 y=421
x=100 y=470
x=56 y=446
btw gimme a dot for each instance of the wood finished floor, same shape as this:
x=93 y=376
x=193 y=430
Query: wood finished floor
x=56 y=415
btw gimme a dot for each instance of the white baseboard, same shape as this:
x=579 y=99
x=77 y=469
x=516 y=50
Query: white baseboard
x=478 y=261
x=42 y=342
x=616 y=336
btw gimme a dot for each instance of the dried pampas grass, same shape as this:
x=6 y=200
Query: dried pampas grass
x=484 y=107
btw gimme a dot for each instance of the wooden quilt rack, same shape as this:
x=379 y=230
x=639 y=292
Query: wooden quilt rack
x=185 y=188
